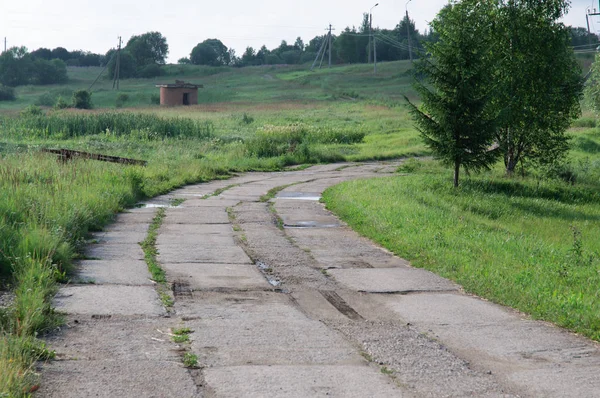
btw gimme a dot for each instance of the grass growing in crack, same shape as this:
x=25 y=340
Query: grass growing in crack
x=190 y=360
x=177 y=201
x=278 y=220
x=150 y=253
x=219 y=191
x=386 y=371
x=181 y=335
x=271 y=193
x=150 y=250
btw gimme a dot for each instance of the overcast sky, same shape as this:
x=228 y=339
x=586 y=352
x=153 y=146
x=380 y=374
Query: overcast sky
x=95 y=26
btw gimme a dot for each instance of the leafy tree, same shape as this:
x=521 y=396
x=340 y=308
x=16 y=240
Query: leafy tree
x=127 y=66
x=456 y=118
x=299 y=44
x=184 y=61
x=49 y=72
x=249 y=57
x=149 y=48
x=210 y=52
x=42 y=53
x=538 y=81
x=61 y=53
x=581 y=37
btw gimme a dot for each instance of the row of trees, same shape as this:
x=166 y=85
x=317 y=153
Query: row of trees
x=19 y=67
x=501 y=82
x=71 y=58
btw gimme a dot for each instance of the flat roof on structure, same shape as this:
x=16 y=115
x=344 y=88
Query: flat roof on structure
x=180 y=85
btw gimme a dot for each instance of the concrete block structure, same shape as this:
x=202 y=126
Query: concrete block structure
x=178 y=94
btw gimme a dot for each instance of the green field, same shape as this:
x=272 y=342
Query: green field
x=268 y=118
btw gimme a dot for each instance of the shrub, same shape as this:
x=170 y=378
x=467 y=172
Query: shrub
x=32 y=110
x=150 y=71
x=7 y=93
x=121 y=100
x=155 y=99
x=246 y=119
x=61 y=103
x=46 y=99
x=82 y=99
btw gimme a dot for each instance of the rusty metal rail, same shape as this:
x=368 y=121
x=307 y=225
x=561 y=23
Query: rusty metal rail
x=68 y=154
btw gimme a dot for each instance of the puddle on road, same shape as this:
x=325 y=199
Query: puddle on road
x=315 y=196
x=156 y=206
x=310 y=224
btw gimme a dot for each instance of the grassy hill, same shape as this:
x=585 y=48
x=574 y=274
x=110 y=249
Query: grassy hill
x=265 y=84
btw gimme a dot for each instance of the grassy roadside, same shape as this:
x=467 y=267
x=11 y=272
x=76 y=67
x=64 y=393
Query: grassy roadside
x=528 y=243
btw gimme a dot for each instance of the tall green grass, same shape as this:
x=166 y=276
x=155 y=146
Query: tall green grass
x=66 y=125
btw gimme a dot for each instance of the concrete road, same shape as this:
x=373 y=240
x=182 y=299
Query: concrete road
x=284 y=300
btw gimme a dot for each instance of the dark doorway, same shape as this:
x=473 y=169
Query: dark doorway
x=186 y=99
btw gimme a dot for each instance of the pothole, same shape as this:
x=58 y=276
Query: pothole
x=266 y=271
x=181 y=289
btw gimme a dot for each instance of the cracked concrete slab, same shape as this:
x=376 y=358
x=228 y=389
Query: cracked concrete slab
x=196 y=215
x=113 y=251
x=109 y=300
x=391 y=280
x=301 y=381
x=159 y=379
x=113 y=337
x=206 y=276
x=116 y=272
x=181 y=253
x=119 y=237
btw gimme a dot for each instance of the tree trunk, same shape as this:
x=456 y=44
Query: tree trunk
x=511 y=160
x=456 y=172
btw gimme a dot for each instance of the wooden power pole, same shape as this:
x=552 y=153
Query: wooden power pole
x=117 y=75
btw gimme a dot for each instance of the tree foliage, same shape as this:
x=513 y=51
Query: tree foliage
x=148 y=48
x=210 y=52
x=19 y=67
x=539 y=81
x=456 y=119
x=510 y=72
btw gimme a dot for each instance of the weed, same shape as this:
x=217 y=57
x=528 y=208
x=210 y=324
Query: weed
x=180 y=338
x=274 y=191
x=150 y=250
x=219 y=191
x=177 y=202
x=190 y=360
x=386 y=371
x=247 y=119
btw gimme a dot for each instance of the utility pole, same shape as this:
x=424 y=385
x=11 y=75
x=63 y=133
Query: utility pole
x=117 y=76
x=408 y=32
x=329 y=41
x=5 y=44
x=371 y=38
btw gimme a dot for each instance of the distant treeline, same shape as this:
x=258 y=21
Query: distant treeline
x=144 y=55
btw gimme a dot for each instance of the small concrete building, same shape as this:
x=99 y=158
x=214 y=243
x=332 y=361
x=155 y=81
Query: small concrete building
x=180 y=93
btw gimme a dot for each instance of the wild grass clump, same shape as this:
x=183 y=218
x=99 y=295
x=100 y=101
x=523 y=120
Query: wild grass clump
x=272 y=141
x=69 y=125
